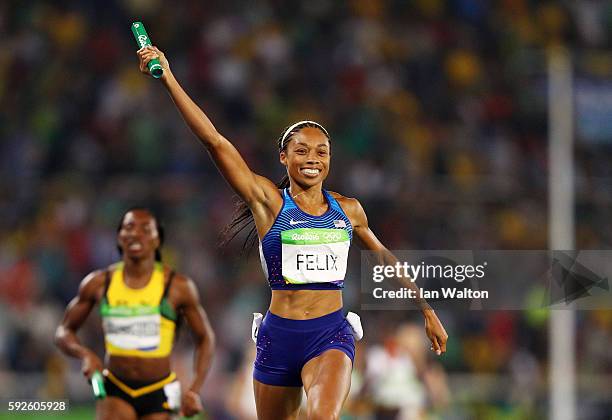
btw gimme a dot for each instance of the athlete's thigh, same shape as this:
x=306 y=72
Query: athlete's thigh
x=157 y=416
x=277 y=402
x=114 y=408
x=327 y=381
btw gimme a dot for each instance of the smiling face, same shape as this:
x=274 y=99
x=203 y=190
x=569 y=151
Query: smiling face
x=138 y=236
x=307 y=157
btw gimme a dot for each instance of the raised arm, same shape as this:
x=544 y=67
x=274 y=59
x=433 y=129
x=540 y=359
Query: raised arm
x=76 y=313
x=188 y=304
x=252 y=188
x=433 y=327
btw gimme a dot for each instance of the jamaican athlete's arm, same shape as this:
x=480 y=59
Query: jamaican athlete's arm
x=189 y=306
x=76 y=313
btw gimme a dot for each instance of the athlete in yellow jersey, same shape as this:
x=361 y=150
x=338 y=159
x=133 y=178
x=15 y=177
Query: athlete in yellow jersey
x=140 y=302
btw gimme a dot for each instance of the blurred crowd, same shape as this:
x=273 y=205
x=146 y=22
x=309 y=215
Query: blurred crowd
x=438 y=118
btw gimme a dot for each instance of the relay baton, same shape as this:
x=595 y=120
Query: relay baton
x=97 y=383
x=142 y=39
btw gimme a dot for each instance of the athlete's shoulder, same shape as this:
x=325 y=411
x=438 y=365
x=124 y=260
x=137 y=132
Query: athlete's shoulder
x=112 y=267
x=182 y=286
x=178 y=279
x=349 y=204
x=92 y=284
x=93 y=278
x=352 y=207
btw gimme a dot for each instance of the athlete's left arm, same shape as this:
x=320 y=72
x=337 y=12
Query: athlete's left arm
x=356 y=214
x=189 y=306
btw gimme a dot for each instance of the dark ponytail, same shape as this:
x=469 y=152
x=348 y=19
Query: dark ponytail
x=243 y=218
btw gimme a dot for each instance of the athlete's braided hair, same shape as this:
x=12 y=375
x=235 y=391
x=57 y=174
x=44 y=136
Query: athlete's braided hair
x=243 y=218
x=160 y=230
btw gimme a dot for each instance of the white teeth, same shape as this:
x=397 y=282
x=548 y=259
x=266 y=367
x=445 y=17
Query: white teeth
x=311 y=171
x=135 y=246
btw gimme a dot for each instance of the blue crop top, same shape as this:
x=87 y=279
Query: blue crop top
x=302 y=251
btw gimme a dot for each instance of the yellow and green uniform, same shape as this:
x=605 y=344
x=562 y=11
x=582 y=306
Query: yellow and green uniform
x=138 y=322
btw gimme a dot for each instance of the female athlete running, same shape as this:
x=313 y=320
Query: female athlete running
x=140 y=302
x=304 y=233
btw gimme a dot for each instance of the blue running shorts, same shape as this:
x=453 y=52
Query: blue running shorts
x=284 y=345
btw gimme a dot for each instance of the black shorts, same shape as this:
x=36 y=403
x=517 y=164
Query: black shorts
x=146 y=397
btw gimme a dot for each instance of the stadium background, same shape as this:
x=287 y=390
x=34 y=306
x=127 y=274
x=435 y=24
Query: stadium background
x=438 y=116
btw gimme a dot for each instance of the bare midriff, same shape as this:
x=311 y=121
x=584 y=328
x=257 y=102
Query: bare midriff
x=305 y=304
x=139 y=368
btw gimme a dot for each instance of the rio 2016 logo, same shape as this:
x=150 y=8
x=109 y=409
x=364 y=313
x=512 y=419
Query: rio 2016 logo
x=332 y=236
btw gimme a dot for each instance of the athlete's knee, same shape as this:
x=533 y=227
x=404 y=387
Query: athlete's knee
x=324 y=416
x=323 y=412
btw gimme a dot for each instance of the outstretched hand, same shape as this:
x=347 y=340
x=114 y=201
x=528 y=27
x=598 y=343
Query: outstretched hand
x=146 y=54
x=435 y=331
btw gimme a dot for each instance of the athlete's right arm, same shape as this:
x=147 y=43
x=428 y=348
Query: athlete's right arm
x=252 y=188
x=76 y=313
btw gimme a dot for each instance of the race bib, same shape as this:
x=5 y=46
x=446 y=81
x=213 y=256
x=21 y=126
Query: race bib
x=314 y=255
x=134 y=332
